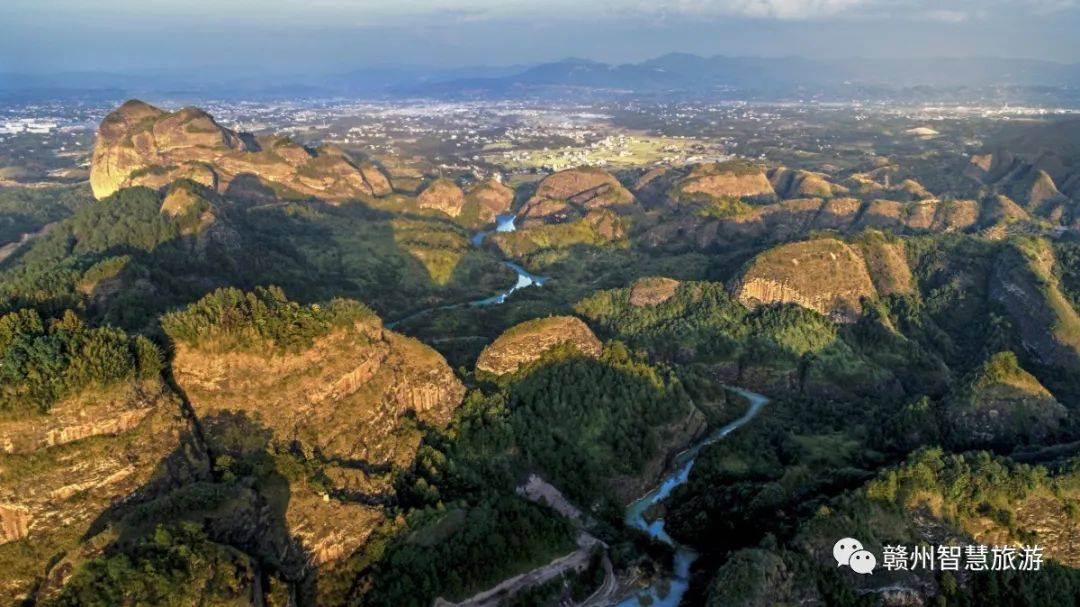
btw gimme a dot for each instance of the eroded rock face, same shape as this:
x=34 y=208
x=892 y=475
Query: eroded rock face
x=528 y=341
x=824 y=275
x=442 y=195
x=726 y=179
x=886 y=260
x=139 y=144
x=792 y=218
x=574 y=191
x=61 y=471
x=492 y=199
x=652 y=291
x=344 y=404
x=375 y=180
x=791 y=183
x=345 y=396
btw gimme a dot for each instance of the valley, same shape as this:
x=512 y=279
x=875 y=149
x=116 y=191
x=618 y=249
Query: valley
x=518 y=351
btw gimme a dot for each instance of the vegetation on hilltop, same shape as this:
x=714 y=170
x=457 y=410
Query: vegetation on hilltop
x=230 y=319
x=44 y=361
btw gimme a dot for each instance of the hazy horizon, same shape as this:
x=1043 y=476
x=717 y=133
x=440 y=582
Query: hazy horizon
x=332 y=36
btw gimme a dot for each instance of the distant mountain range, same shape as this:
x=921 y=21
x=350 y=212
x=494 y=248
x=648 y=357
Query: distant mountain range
x=690 y=73
x=672 y=73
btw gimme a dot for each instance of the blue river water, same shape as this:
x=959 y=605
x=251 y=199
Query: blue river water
x=505 y=223
x=669 y=592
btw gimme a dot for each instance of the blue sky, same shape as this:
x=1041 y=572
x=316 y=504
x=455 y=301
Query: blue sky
x=323 y=36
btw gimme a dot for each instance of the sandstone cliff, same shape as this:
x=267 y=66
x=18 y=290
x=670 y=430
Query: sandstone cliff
x=138 y=144
x=491 y=199
x=442 y=195
x=527 y=342
x=344 y=396
x=652 y=291
x=824 y=275
x=572 y=192
x=886 y=261
x=792 y=183
x=63 y=470
x=796 y=217
x=735 y=179
x=346 y=404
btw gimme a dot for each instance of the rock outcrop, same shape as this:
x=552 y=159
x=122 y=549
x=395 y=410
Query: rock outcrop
x=734 y=179
x=886 y=261
x=792 y=183
x=63 y=470
x=491 y=199
x=796 y=217
x=652 y=291
x=573 y=192
x=442 y=195
x=343 y=397
x=825 y=275
x=139 y=144
x=342 y=402
x=1028 y=182
x=527 y=342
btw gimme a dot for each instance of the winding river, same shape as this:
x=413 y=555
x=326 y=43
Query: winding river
x=669 y=592
x=503 y=223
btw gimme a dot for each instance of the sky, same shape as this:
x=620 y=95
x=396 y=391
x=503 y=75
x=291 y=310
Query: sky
x=332 y=36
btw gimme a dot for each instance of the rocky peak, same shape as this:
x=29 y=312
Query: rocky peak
x=735 y=179
x=442 y=195
x=575 y=191
x=527 y=342
x=492 y=199
x=789 y=183
x=825 y=275
x=139 y=144
x=652 y=291
x=90 y=453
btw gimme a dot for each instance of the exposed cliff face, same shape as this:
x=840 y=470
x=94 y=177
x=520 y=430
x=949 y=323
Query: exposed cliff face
x=886 y=261
x=491 y=198
x=61 y=471
x=652 y=291
x=824 y=275
x=139 y=144
x=442 y=195
x=343 y=403
x=1024 y=283
x=1026 y=181
x=572 y=192
x=345 y=396
x=528 y=341
x=791 y=183
x=734 y=179
x=792 y=218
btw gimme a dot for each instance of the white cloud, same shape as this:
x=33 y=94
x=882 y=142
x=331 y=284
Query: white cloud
x=795 y=9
